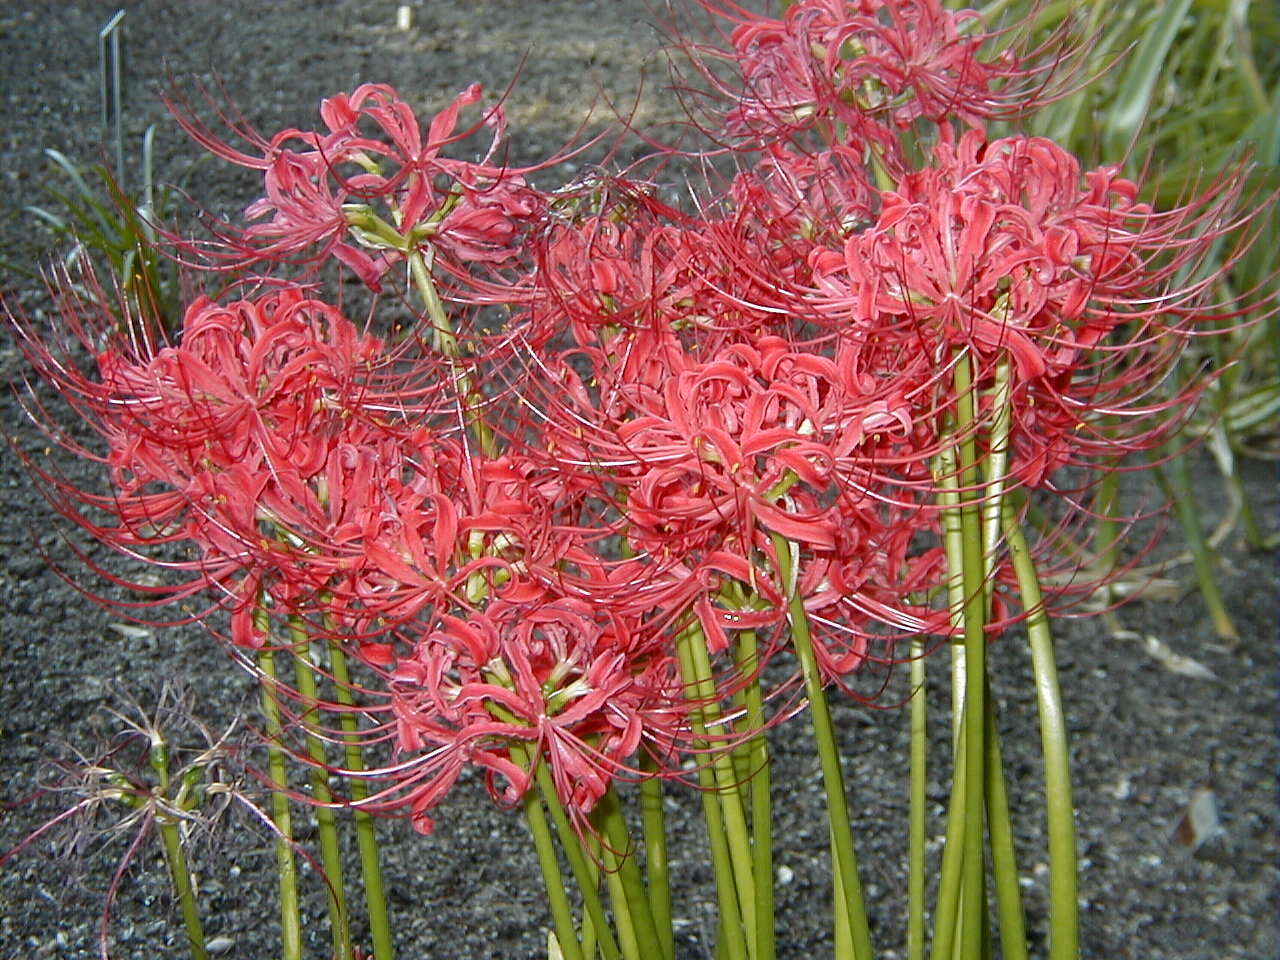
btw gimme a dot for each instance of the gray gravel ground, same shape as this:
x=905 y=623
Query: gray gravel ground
x=1144 y=739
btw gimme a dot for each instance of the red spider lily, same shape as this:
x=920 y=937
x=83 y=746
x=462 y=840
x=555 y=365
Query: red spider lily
x=1000 y=249
x=707 y=433
x=690 y=401
x=616 y=268
x=490 y=533
x=695 y=457
x=865 y=590
x=269 y=439
x=389 y=189
x=858 y=71
x=821 y=197
x=675 y=398
x=577 y=686
x=985 y=249
x=705 y=456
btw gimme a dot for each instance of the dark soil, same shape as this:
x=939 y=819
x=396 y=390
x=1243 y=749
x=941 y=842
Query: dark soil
x=1144 y=738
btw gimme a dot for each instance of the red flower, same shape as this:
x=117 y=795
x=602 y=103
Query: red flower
x=858 y=71
x=574 y=684
x=389 y=189
x=1001 y=249
x=271 y=438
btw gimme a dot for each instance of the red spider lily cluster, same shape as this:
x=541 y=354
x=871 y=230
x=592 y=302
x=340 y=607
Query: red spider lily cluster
x=512 y=525
x=373 y=186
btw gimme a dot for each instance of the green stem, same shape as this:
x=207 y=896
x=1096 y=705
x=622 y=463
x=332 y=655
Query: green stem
x=747 y=655
x=702 y=682
x=1013 y=936
x=180 y=874
x=732 y=941
x=1106 y=539
x=948 y=479
x=176 y=859
x=1004 y=864
x=741 y=752
x=946 y=910
x=919 y=804
x=624 y=877
x=330 y=850
x=973 y=568
x=627 y=936
x=842 y=932
x=1064 y=910
x=996 y=477
x=591 y=931
x=1051 y=534
x=366 y=832
x=286 y=865
x=561 y=913
x=844 y=863
x=947 y=904
x=446 y=341
x=571 y=842
x=653 y=822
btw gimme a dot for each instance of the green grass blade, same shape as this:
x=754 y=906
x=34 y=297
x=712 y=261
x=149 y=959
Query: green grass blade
x=1136 y=89
x=56 y=222
x=100 y=213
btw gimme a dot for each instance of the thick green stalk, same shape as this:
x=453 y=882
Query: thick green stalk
x=973 y=568
x=591 y=931
x=1106 y=538
x=628 y=938
x=180 y=874
x=748 y=664
x=995 y=477
x=917 y=829
x=571 y=842
x=844 y=861
x=561 y=913
x=728 y=788
x=175 y=858
x=1004 y=863
x=732 y=940
x=842 y=929
x=330 y=849
x=1051 y=534
x=366 y=832
x=445 y=340
x=1064 y=909
x=658 y=880
x=1013 y=936
x=946 y=907
x=741 y=752
x=948 y=479
x=286 y=864
x=617 y=844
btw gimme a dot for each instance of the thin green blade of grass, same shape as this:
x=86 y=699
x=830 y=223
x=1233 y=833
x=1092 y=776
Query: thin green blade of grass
x=1136 y=88
x=99 y=211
